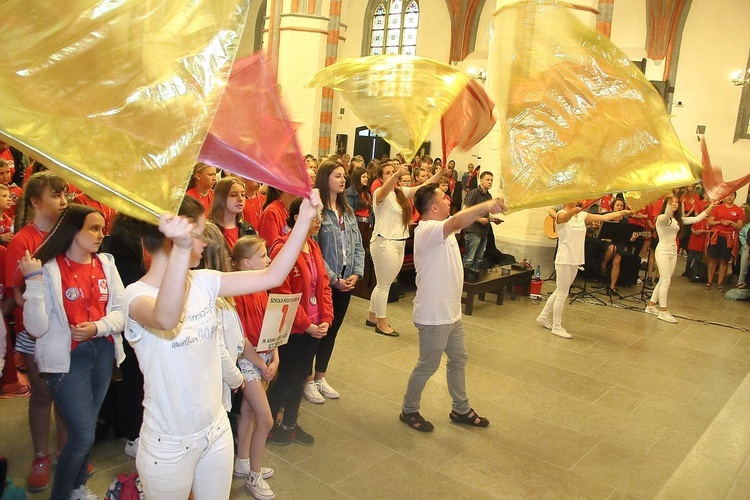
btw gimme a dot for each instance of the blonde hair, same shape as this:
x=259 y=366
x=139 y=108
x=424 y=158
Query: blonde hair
x=198 y=168
x=245 y=248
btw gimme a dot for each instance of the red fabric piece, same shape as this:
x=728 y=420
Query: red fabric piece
x=713 y=181
x=251 y=135
x=469 y=119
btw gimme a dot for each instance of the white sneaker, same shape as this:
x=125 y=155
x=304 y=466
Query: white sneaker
x=326 y=390
x=546 y=322
x=131 y=447
x=259 y=487
x=652 y=310
x=312 y=394
x=666 y=316
x=561 y=332
x=242 y=469
x=83 y=493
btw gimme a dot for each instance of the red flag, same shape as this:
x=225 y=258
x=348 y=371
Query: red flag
x=251 y=135
x=713 y=181
x=468 y=120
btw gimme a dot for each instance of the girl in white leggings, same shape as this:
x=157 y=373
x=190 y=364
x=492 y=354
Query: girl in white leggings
x=571 y=233
x=667 y=227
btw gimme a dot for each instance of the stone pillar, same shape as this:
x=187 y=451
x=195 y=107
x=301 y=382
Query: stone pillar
x=303 y=39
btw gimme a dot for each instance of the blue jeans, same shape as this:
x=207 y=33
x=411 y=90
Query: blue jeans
x=78 y=395
x=475 y=246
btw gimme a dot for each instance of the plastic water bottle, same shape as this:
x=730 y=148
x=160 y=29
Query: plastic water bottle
x=538 y=273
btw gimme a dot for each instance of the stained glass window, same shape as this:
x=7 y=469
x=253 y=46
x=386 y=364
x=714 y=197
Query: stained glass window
x=394 y=27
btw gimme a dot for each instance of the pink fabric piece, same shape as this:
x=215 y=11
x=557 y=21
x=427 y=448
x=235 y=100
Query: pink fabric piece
x=468 y=120
x=713 y=181
x=251 y=135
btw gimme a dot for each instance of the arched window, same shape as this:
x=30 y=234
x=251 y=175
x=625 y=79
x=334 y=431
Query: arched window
x=393 y=27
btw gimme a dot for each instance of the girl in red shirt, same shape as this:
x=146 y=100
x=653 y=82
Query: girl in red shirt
x=43 y=200
x=314 y=315
x=226 y=210
x=254 y=201
x=74 y=309
x=258 y=368
x=201 y=184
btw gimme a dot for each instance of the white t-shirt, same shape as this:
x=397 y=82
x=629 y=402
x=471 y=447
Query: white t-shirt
x=571 y=237
x=181 y=367
x=388 y=219
x=440 y=275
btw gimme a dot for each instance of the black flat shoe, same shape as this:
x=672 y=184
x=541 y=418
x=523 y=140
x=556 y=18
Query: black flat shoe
x=394 y=333
x=370 y=323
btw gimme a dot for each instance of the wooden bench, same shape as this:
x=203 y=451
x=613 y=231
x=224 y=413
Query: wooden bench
x=495 y=280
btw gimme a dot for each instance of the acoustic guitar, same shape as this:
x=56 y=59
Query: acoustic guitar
x=549 y=227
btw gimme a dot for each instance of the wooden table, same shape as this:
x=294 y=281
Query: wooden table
x=494 y=281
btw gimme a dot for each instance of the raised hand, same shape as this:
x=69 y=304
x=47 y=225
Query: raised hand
x=177 y=228
x=29 y=265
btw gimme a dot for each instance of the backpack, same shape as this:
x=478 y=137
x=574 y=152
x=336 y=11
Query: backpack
x=125 y=487
x=699 y=273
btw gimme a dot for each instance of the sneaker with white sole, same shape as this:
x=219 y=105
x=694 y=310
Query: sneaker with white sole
x=131 y=447
x=652 y=310
x=242 y=469
x=561 y=332
x=83 y=493
x=666 y=316
x=326 y=390
x=312 y=394
x=545 y=321
x=258 y=487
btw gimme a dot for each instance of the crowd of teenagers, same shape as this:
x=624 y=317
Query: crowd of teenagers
x=711 y=234
x=179 y=307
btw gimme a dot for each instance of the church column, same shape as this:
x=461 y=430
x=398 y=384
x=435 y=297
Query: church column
x=326 y=101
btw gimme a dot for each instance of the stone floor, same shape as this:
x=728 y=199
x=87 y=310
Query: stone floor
x=631 y=407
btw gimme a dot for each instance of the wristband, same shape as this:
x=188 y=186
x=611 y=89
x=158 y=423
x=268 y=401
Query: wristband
x=32 y=274
x=189 y=247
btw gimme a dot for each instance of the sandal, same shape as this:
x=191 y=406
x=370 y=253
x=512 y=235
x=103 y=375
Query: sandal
x=471 y=418
x=416 y=421
x=720 y=288
x=741 y=285
x=707 y=287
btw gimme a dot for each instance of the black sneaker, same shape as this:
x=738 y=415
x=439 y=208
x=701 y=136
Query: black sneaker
x=301 y=437
x=279 y=436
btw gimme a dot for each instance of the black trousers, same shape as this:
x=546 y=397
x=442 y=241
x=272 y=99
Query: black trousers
x=325 y=349
x=295 y=364
x=130 y=395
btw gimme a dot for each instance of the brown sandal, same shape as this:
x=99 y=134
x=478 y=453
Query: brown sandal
x=416 y=421
x=471 y=418
x=720 y=288
x=707 y=286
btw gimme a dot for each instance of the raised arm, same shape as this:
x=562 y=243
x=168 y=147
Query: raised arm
x=244 y=282
x=564 y=216
x=467 y=216
x=700 y=216
x=435 y=179
x=389 y=185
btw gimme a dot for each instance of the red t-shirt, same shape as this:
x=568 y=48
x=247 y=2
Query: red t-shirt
x=6 y=223
x=690 y=202
x=231 y=236
x=85 y=291
x=253 y=209
x=206 y=200
x=272 y=222
x=733 y=214
x=375 y=184
x=251 y=308
x=698 y=241
x=28 y=238
x=3 y=251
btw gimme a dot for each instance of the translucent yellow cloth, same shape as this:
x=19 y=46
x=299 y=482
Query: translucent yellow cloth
x=400 y=98
x=116 y=96
x=578 y=120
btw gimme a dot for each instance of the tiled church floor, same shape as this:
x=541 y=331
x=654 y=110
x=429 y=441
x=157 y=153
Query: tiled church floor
x=631 y=407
